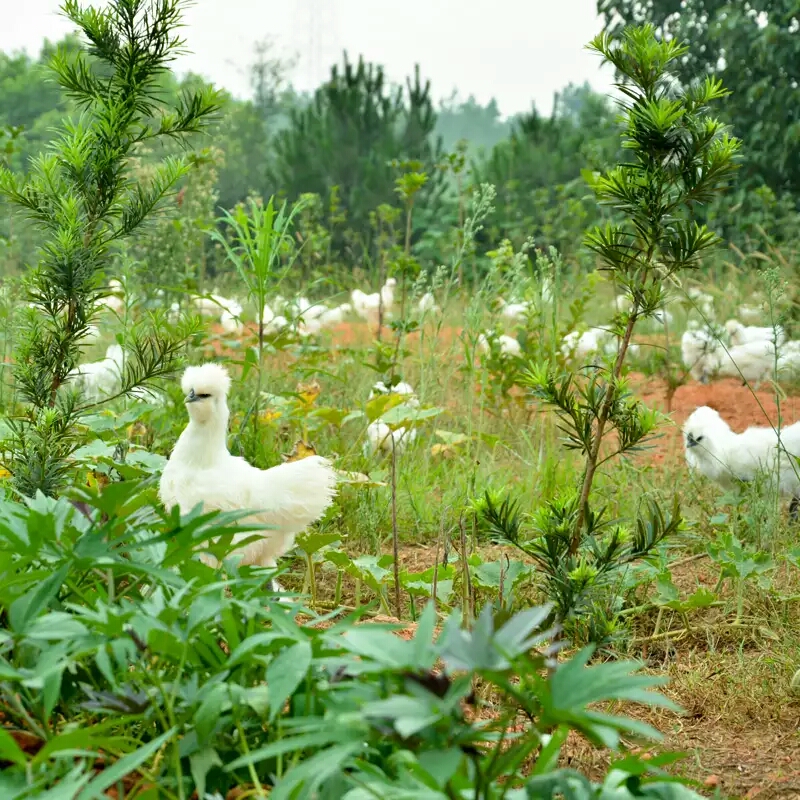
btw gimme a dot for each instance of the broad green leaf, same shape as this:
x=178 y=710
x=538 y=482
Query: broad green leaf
x=10 y=750
x=285 y=673
x=200 y=764
x=26 y=608
x=407 y=415
x=312 y=542
x=206 y=717
x=127 y=764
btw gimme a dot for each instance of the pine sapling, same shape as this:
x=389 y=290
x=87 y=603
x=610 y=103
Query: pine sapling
x=82 y=197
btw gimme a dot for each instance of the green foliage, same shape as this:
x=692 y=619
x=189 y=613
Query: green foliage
x=168 y=677
x=537 y=170
x=753 y=49
x=348 y=137
x=679 y=157
x=83 y=200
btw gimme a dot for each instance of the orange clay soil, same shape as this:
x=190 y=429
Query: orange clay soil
x=739 y=405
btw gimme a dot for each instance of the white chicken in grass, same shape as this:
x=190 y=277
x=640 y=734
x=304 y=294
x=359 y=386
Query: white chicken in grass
x=285 y=499
x=705 y=356
x=507 y=345
x=427 y=305
x=698 y=351
x=513 y=311
x=585 y=345
x=231 y=322
x=789 y=360
x=99 y=379
x=115 y=300
x=725 y=457
x=368 y=306
x=380 y=437
x=743 y=334
x=335 y=316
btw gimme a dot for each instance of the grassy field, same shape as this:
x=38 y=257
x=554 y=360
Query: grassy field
x=730 y=672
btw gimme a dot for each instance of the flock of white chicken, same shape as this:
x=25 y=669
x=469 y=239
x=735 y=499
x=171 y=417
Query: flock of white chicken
x=305 y=318
x=738 y=349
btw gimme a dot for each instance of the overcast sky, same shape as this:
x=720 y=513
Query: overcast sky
x=519 y=51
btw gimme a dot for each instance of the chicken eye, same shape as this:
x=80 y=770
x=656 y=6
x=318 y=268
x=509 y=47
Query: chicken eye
x=698 y=439
x=204 y=396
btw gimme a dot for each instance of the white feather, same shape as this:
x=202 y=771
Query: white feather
x=380 y=438
x=713 y=449
x=286 y=499
x=508 y=344
x=744 y=334
x=99 y=379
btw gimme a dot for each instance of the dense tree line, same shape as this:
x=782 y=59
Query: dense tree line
x=343 y=143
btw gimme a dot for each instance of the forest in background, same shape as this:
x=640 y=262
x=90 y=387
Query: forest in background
x=340 y=145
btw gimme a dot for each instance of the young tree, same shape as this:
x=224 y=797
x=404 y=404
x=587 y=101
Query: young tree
x=680 y=158
x=84 y=201
x=350 y=134
x=754 y=48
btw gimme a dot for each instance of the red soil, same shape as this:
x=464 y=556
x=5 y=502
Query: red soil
x=740 y=406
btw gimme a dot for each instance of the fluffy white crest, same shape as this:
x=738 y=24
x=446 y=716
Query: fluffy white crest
x=207 y=378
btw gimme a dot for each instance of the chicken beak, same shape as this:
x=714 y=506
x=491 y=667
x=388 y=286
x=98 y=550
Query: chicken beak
x=191 y=397
x=691 y=441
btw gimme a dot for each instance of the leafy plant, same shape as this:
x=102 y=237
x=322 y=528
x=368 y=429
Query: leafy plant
x=679 y=157
x=124 y=663
x=82 y=198
x=263 y=253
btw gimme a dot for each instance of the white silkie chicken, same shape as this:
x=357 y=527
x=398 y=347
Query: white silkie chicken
x=706 y=357
x=380 y=437
x=584 y=345
x=115 y=300
x=743 y=334
x=309 y=327
x=368 y=306
x=697 y=345
x=305 y=311
x=387 y=293
x=92 y=335
x=789 y=360
x=99 y=379
x=200 y=470
x=335 y=316
x=508 y=345
x=231 y=321
x=513 y=311
x=725 y=457
x=205 y=306
x=623 y=303
x=427 y=305
x=753 y=361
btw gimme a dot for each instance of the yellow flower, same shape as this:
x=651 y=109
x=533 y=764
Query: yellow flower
x=301 y=450
x=4 y=473
x=96 y=480
x=308 y=392
x=269 y=415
